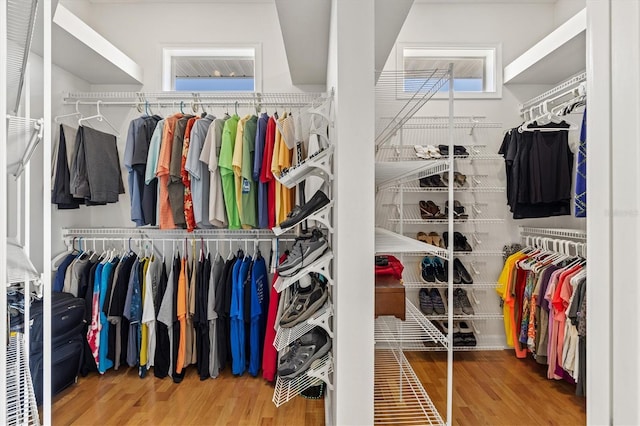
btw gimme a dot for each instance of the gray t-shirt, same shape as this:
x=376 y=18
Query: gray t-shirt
x=209 y=156
x=199 y=172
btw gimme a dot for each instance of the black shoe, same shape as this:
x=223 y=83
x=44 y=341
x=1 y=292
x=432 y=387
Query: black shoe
x=302 y=352
x=298 y=214
x=460 y=242
x=425 y=182
x=427 y=270
x=466 y=332
x=306 y=301
x=456 y=273
x=444 y=150
x=441 y=273
x=460 y=151
x=463 y=274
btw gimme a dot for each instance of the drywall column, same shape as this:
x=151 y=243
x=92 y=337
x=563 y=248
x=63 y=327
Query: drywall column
x=351 y=72
x=613 y=221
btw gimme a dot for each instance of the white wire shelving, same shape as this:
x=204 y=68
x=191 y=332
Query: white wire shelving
x=556 y=93
x=285 y=336
x=412 y=216
x=21 y=408
x=412 y=279
x=23 y=135
x=410 y=334
x=391 y=242
x=475 y=183
x=322 y=266
x=20 y=269
x=393 y=173
x=399 y=397
x=395 y=153
x=21 y=17
x=576 y=234
x=320 y=371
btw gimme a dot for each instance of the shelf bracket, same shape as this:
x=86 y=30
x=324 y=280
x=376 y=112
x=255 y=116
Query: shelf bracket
x=321 y=216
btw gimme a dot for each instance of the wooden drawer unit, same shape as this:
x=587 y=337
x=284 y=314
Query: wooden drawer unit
x=390 y=297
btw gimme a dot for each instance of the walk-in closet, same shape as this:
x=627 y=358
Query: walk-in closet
x=340 y=212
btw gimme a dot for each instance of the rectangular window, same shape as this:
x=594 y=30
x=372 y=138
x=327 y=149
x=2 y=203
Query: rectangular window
x=476 y=70
x=225 y=69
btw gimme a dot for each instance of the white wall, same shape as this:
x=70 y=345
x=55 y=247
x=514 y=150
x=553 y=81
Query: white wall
x=140 y=30
x=565 y=9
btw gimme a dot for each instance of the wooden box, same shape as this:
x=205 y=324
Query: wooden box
x=390 y=297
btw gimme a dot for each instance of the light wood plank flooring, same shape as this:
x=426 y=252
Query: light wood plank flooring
x=490 y=388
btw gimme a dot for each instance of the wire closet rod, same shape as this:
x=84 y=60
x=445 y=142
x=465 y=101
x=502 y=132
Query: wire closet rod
x=562 y=87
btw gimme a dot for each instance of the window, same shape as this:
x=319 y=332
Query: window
x=476 y=70
x=226 y=69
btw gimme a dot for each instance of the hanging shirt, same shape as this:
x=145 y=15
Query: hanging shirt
x=176 y=187
x=106 y=276
x=285 y=160
x=237 y=167
x=263 y=206
x=238 y=353
x=259 y=304
x=162 y=172
x=93 y=333
x=266 y=175
x=215 y=203
x=199 y=174
x=249 y=191
x=581 y=171
x=223 y=294
x=225 y=163
x=212 y=316
x=186 y=178
x=269 y=352
x=181 y=310
x=164 y=327
x=154 y=153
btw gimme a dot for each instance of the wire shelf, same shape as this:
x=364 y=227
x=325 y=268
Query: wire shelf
x=389 y=174
x=395 y=100
x=576 y=234
x=322 y=266
x=20 y=269
x=21 y=16
x=475 y=183
x=284 y=336
x=410 y=334
x=399 y=397
x=198 y=98
x=478 y=316
x=287 y=389
x=21 y=405
x=411 y=278
x=395 y=153
x=391 y=242
x=566 y=85
x=412 y=216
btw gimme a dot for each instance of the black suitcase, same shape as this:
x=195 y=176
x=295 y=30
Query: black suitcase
x=68 y=341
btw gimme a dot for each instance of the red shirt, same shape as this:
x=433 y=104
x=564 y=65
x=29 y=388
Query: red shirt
x=266 y=176
x=269 y=352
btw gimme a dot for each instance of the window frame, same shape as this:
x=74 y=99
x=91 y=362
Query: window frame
x=240 y=50
x=492 y=53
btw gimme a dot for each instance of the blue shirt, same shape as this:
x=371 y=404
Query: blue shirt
x=259 y=308
x=581 y=171
x=238 y=355
x=105 y=277
x=261 y=134
x=58 y=283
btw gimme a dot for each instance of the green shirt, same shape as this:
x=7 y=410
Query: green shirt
x=249 y=193
x=225 y=163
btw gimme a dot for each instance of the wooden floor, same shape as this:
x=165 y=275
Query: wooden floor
x=490 y=388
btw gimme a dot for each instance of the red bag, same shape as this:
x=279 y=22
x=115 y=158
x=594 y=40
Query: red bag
x=389 y=265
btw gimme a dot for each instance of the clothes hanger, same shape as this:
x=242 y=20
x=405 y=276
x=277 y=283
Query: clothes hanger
x=72 y=114
x=99 y=117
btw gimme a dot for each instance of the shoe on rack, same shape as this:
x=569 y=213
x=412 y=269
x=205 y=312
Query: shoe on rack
x=441 y=273
x=456 y=273
x=305 y=302
x=436 y=181
x=303 y=352
x=438 y=304
x=425 y=182
x=427 y=270
x=458 y=210
x=426 y=305
x=436 y=240
x=463 y=300
x=458 y=338
x=300 y=213
x=457 y=306
x=469 y=339
x=460 y=151
x=305 y=250
x=460 y=242
x=463 y=274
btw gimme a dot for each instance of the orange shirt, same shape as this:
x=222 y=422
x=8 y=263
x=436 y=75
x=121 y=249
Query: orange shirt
x=181 y=311
x=162 y=172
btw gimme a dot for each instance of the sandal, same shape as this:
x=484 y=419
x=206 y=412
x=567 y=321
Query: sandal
x=425 y=210
x=435 y=239
x=421 y=152
x=433 y=151
x=459 y=179
x=424 y=237
x=458 y=210
x=434 y=210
